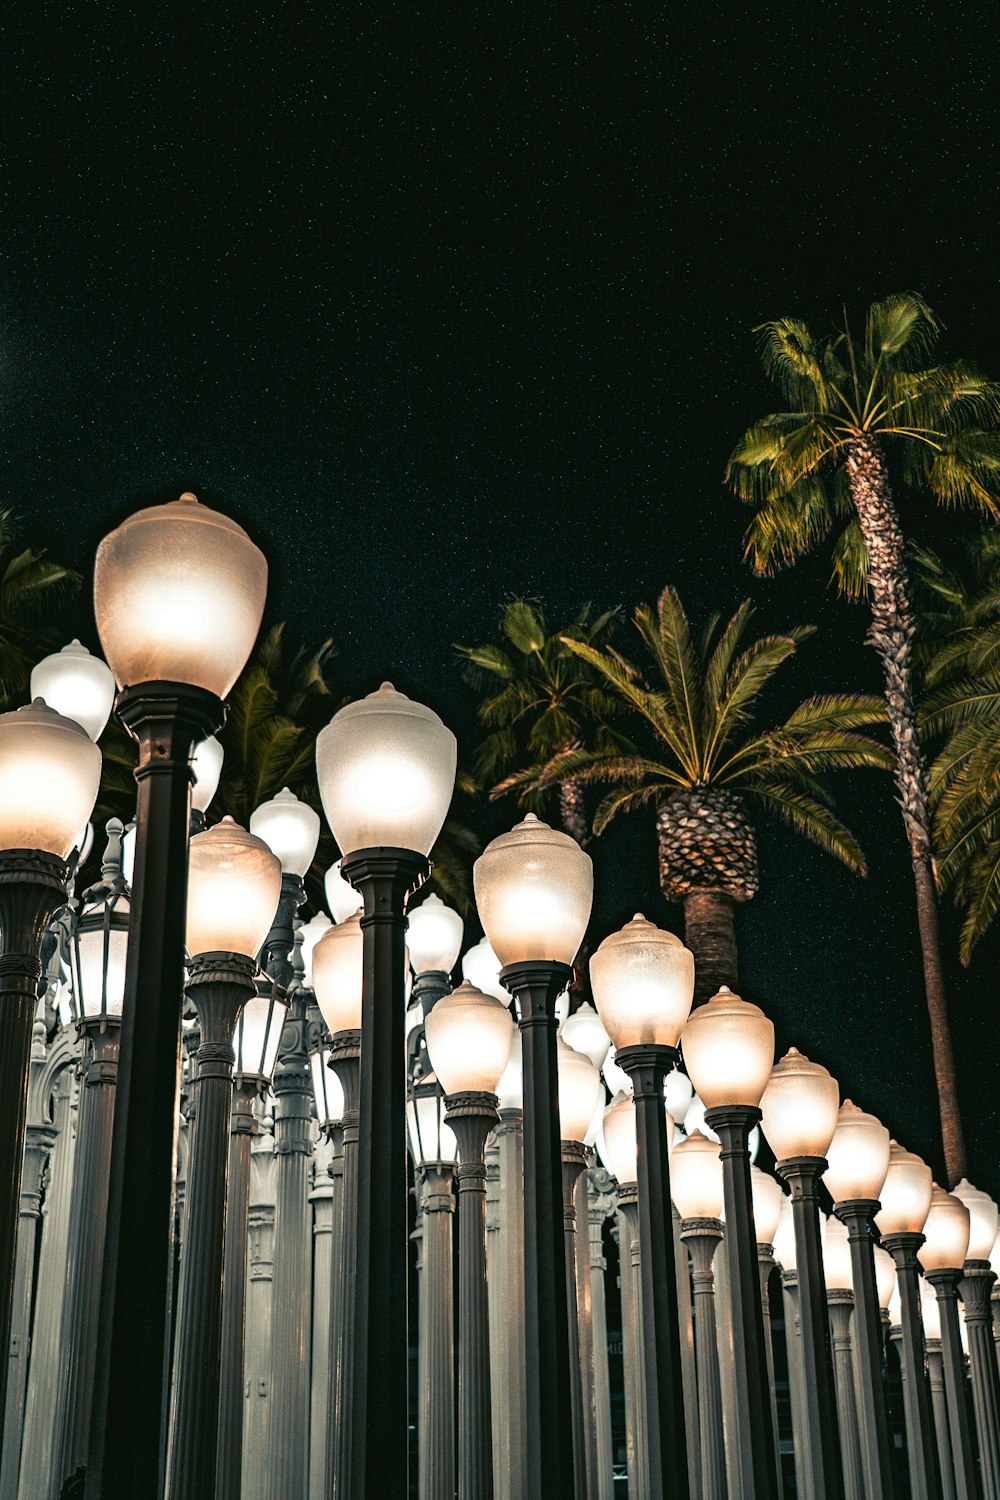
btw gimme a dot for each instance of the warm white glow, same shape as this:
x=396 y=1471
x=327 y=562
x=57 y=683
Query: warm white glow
x=386 y=769
x=434 y=937
x=579 y=1091
x=481 y=967
x=620 y=1149
x=885 y=1276
x=615 y=1075
x=643 y=983
x=995 y=1256
x=77 y=685
x=290 y=828
x=678 y=1091
x=946 y=1233
x=206 y=769
x=728 y=1049
x=799 y=1106
x=469 y=1037
x=510 y=1089
x=767 y=1204
x=906 y=1193
x=696 y=1178
x=784 y=1239
x=258 y=1036
x=858 y=1156
x=93 y=943
x=128 y=855
x=895 y=1307
x=50 y=770
x=338 y=973
x=982 y=1219
x=584 y=1032
x=328 y=1091
x=534 y=889
x=234 y=882
x=179 y=594
x=930 y=1312
x=341 y=897
x=312 y=931
x=836 y=1255
x=431 y=1140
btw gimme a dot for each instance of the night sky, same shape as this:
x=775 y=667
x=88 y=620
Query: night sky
x=446 y=302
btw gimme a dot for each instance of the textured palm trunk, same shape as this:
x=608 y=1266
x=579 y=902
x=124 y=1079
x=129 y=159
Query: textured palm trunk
x=710 y=933
x=891 y=634
x=573 y=811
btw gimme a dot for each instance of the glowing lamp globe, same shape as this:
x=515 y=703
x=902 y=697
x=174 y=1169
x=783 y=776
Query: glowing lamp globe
x=946 y=1233
x=77 y=685
x=341 y=897
x=694 y=1119
x=534 y=889
x=584 y=1032
x=481 y=967
x=100 y=949
x=206 y=769
x=258 y=1035
x=696 y=1178
x=885 y=1276
x=982 y=1220
x=857 y=1157
x=895 y=1307
x=615 y=1075
x=290 y=828
x=510 y=1089
x=784 y=1239
x=906 y=1193
x=432 y=1140
x=312 y=931
x=768 y=1201
x=234 y=882
x=337 y=975
x=434 y=937
x=620 y=1148
x=179 y=594
x=82 y=845
x=678 y=1091
x=728 y=1050
x=328 y=1091
x=800 y=1107
x=836 y=1256
x=386 y=769
x=469 y=1037
x=930 y=1312
x=579 y=1091
x=643 y=983
x=995 y=1257
x=50 y=770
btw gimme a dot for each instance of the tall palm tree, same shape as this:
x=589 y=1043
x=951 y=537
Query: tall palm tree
x=31 y=589
x=859 y=414
x=539 y=700
x=704 y=764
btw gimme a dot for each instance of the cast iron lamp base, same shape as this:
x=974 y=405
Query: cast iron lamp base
x=702 y=1237
x=922 y=1452
x=975 y=1290
x=858 y=1215
x=840 y=1305
x=229 y=1454
x=573 y=1155
x=963 y=1454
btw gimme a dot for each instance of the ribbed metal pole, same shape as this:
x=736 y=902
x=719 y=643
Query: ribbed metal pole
x=689 y=1374
x=345 y=1055
x=975 y=1289
x=229 y=1455
x=765 y=1265
x=995 y=1305
x=321 y=1199
x=796 y=1381
x=963 y=1453
x=926 y=1475
x=635 y=1384
x=703 y=1237
x=506 y=1284
x=436 y=1342
x=585 y=1330
x=601 y=1203
x=858 y=1216
x=257 y=1349
x=841 y=1307
x=574 y=1164
x=939 y=1405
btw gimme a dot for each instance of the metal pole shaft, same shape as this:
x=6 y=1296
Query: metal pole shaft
x=939 y=1403
x=435 y=1405
x=229 y=1455
x=257 y=1349
x=926 y=1478
x=689 y=1375
x=703 y=1237
x=975 y=1289
x=765 y=1265
x=574 y=1164
x=945 y=1284
x=796 y=1381
x=841 y=1306
x=472 y=1116
x=600 y=1203
x=321 y=1199
x=631 y=1288
x=345 y=1054
x=506 y=1283
x=857 y=1216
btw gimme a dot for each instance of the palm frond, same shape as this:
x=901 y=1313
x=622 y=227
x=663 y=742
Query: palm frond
x=813 y=819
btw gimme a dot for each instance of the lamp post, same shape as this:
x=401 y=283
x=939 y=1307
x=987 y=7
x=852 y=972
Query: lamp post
x=233 y=884
x=49 y=774
x=938 y=1395
x=767 y=1201
x=386 y=770
x=178 y=594
x=468 y=1041
x=728 y=1049
x=975 y=1289
x=696 y=1185
x=506 y=1281
x=942 y=1255
x=534 y=889
x=785 y=1256
x=995 y=1296
x=840 y=1301
x=906 y=1200
x=858 y=1162
x=799 y=1108
x=433 y=941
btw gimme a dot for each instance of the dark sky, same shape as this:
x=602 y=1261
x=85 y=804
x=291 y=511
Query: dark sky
x=449 y=301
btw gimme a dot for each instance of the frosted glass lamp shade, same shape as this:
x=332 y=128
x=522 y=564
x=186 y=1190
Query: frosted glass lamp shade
x=234 y=882
x=179 y=594
x=431 y=1139
x=621 y=1151
x=946 y=1233
x=678 y=1091
x=77 y=685
x=481 y=967
x=386 y=769
x=584 y=1032
x=615 y=1075
x=885 y=1276
x=82 y=844
x=768 y=1200
x=837 y=1256
x=290 y=829
x=694 y=1119
x=800 y=1107
x=643 y=983
x=930 y=1311
x=341 y=897
x=696 y=1178
x=258 y=1035
x=434 y=937
x=206 y=769
x=534 y=890
x=101 y=948
x=510 y=1089
x=316 y=928
x=469 y=1037
x=906 y=1193
x=128 y=855
x=337 y=975
x=982 y=1220
x=50 y=770
x=858 y=1156
x=579 y=1090
x=995 y=1256
x=728 y=1050
x=895 y=1308
x=784 y=1239
x=328 y=1092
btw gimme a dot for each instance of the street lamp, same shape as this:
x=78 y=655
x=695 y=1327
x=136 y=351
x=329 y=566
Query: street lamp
x=386 y=768
x=534 y=889
x=942 y=1255
x=768 y=1200
x=643 y=983
x=728 y=1050
x=77 y=685
x=234 y=882
x=975 y=1288
x=434 y=938
x=481 y=967
x=857 y=1165
x=49 y=775
x=178 y=594
x=840 y=1306
x=584 y=1031
x=800 y=1109
x=469 y=1038
x=696 y=1186
x=342 y=899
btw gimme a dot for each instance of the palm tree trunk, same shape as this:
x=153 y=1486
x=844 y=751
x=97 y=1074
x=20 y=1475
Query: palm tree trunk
x=891 y=634
x=573 y=811
x=710 y=933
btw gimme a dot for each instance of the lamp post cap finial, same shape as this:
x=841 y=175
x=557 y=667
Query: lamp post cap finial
x=188 y=499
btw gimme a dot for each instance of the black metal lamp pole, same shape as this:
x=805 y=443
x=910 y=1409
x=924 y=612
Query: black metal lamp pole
x=765 y=1265
x=126 y=1449
x=857 y=1214
x=758 y=1476
x=549 y=1446
x=472 y=1116
x=975 y=1289
x=345 y=1061
x=822 y=1456
x=574 y=1164
x=378 y=1403
x=840 y=1304
x=922 y=1453
x=702 y=1237
x=219 y=984
x=229 y=1454
x=647 y=1067
x=963 y=1453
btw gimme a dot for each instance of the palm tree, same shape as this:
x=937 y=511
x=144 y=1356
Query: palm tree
x=539 y=700
x=706 y=764
x=30 y=588
x=858 y=413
